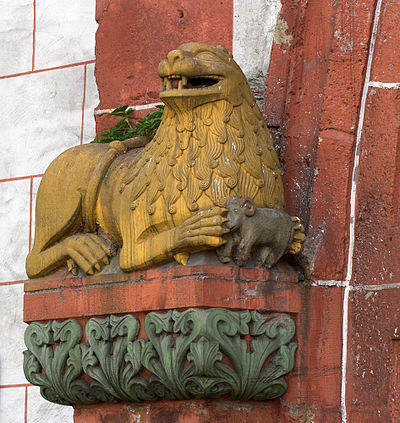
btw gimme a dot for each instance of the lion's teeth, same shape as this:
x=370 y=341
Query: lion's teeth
x=168 y=84
x=184 y=81
x=180 y=84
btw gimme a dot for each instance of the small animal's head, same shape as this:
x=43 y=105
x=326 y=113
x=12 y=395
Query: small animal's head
x=198 y=73
x=239 y=208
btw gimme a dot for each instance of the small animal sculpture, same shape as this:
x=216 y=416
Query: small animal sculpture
x=268 y=232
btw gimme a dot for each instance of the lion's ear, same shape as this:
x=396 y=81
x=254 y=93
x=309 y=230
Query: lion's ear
x=248 y=206
x=226 y=51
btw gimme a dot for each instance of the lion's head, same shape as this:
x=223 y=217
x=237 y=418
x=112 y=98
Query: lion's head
x=197 y=73
x=212 y=143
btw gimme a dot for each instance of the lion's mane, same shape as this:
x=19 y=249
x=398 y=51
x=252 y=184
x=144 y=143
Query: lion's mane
x=216 y=150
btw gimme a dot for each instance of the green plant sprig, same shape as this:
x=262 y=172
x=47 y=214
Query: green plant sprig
x=123 y=130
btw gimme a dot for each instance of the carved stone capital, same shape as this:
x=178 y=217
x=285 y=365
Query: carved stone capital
x=190 y=354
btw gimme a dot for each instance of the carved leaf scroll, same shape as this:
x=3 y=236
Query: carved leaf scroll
x=190 y=354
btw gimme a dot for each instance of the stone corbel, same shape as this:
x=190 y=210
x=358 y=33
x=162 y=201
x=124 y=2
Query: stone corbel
x=189 y=354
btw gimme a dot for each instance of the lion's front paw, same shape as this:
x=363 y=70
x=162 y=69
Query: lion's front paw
x=87 y=251
x=202 y=231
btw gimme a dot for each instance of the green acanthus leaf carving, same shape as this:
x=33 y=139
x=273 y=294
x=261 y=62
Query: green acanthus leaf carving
x=202 y=378
x=61 y=381
x=190 y=354
x=108 y=359
x=272 y=334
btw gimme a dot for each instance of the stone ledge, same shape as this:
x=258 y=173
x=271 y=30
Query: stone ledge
x=165 y=287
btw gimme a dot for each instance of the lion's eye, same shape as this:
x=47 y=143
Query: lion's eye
x=206 y=56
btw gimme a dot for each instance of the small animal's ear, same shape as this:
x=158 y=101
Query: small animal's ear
x=248 y=206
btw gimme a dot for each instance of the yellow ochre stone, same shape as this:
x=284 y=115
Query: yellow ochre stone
x=164 y=198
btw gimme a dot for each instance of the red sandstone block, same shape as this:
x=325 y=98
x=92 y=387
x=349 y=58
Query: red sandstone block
x=61 y=304
x=364 y=414
x=57 y=280
x=222 y=271
x=196 y=411
x=106 y=278
x=318 y=358
x=347 y=61
x=112 y=299
x=199 y=411
x=297 y=179
x=373 y=355
x=134 y=36
x=313 y=39
x=159 y=294
x=165 y=287
x=376 y=253
x=254 y=274
x=101 y=7
x=343 y=95
x=282 y=272
x=307 y=412
x=279 y=67
x=327 y=239
x=328 y=63
x=386 y=61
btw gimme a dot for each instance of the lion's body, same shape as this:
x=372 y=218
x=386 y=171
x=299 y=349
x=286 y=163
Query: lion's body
x=203 y=153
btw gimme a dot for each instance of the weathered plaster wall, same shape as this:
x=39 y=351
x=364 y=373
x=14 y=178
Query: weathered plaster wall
x=48 y=94
x=254 y=24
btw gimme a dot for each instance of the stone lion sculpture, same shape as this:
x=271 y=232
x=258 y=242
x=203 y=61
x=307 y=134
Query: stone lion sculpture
x=163 y=199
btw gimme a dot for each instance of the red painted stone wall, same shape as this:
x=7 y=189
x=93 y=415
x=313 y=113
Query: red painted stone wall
x=336 y=111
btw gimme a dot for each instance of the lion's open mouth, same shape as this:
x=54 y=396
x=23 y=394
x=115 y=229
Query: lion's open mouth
x=179 y=82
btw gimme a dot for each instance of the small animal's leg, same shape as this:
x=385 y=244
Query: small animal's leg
x=261 y=255
x=278 y=249
x=272 y=259
x=224 y=252
x=242 y=253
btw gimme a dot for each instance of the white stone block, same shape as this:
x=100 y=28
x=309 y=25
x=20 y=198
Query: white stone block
x=14 y=229
x=12 y=330
x=253 y=28
x=40 y=410
x=12 y=405
x=42 y=115
x=91 y=102
x=65 y=32
x=16 y=36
